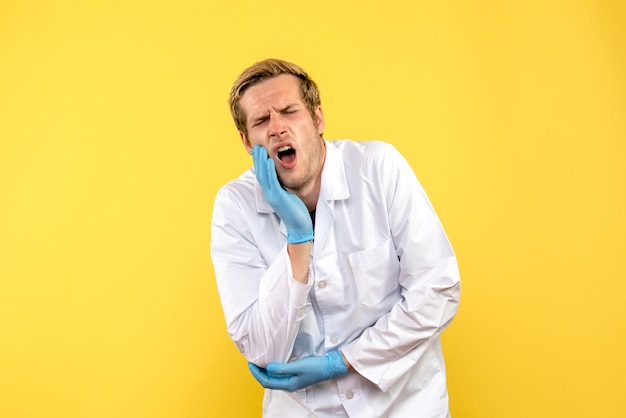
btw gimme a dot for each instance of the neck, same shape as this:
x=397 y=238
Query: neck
x=310 y=195
x=310 y=192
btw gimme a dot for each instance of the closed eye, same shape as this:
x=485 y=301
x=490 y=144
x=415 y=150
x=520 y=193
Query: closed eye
x=259 y=121
x=288 y=110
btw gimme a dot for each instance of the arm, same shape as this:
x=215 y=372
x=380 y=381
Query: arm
x=262 y=324
x=429 y=280
x=263 y=304
x=290 y=209
x=299 y=256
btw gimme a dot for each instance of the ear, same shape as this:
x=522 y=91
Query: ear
x=246 y=143
x=319 y=117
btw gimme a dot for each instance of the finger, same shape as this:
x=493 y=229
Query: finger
x=256 y=155
x=268 y=381
x=259 y=157
x=258 y=374
x=272 y=177
x=293 y=368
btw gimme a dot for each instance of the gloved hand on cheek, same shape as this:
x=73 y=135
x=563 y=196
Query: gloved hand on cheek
x=287 y=205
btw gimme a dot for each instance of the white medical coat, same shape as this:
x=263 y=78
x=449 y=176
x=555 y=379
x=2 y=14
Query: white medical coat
x=383 y=283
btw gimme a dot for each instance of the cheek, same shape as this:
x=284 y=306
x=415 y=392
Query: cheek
x=307 y=128
x=245 y=141
x=254 y=140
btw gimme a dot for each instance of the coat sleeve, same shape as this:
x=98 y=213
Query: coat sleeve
x=429 y=281
x=263 y=305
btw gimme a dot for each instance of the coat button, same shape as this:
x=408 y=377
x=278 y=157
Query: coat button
x=322 y=284
x=349 y=394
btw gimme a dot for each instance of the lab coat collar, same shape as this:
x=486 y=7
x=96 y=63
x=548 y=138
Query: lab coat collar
x=261 y=204
x=334 y=180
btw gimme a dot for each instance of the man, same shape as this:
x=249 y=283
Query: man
x=334 y=272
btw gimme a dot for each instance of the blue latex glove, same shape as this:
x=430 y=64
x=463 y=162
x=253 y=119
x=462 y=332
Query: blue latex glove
x=287 y=205
x=300 y=373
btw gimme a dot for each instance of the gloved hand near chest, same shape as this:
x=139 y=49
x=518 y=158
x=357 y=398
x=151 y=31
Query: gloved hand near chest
x=287 y=205
x=300 y=373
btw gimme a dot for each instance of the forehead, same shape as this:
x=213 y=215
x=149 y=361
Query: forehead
x=276 y=92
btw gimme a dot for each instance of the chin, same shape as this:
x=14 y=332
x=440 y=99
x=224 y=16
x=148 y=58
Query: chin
x=289 y=185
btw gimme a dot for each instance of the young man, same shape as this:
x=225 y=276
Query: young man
x=335 y=274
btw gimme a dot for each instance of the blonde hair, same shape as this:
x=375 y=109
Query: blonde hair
x=264 y=70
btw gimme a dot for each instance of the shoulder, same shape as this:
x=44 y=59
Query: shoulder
x=367 y=153
x=360 y=147
x=240 y=189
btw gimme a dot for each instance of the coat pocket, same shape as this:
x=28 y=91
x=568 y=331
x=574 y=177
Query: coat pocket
x=376 y=271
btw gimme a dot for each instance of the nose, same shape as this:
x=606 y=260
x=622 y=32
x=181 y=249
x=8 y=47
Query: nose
x=277 y=127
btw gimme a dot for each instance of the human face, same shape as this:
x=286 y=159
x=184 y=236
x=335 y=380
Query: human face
x=278 y=119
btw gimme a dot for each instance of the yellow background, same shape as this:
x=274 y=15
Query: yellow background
x=115 y=136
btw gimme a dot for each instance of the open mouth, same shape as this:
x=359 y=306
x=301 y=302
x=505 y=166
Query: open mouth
x=286 y=155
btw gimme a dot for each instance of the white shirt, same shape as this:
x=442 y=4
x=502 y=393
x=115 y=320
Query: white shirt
x=383 y=284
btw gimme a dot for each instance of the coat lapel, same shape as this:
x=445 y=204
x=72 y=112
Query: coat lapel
x=334 y=187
